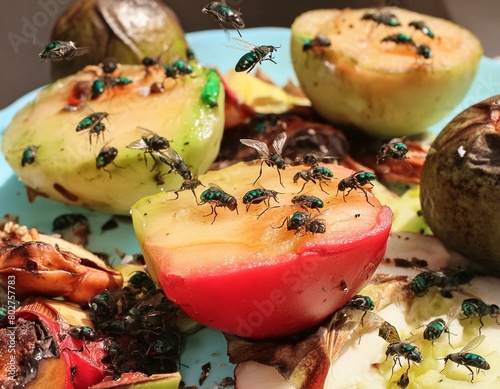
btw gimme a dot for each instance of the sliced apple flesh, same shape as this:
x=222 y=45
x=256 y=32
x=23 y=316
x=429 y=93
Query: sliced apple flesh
x=383 y=88
x=64 y=166
x=249 y=275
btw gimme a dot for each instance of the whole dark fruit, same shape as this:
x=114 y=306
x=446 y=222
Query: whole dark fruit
x=460 y=183
x=127 y=31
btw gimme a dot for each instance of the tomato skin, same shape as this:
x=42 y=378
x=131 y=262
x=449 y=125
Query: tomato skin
x=283 y=296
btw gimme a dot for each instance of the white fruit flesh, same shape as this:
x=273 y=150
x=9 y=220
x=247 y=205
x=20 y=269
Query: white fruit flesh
x=362 y=363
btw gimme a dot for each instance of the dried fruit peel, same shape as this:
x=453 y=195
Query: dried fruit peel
x=45 y=265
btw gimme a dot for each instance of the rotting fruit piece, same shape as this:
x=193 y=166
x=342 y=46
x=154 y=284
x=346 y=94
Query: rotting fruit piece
x=250 y=275
x=386 y=88
x=48 y=266
x=460 y=183
x=100 y=154
x=141 y=381
x=45 y=354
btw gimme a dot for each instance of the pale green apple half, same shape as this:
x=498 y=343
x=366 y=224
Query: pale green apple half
x=64 y=166
x=383 y=88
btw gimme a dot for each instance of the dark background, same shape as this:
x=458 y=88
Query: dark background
x=21 y=70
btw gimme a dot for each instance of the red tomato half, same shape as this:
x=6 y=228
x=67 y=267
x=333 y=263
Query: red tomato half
x=250 y=275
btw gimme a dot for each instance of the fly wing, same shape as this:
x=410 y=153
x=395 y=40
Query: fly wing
x=389 y=333
x=139 y=144
x=81 y=51
x=146 y=130
x=245 y=43
x=473 y=344
x=385 y=330
x=453 y=314
x=261 y=147
x=413 y=338
x=164 y=157
x=214 y=185
x=319 y=215
x=172 y=155
x=279 y=142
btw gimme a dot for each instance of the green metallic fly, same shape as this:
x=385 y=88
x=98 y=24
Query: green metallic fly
x=360 y=303
x=384 y=17
x=399 y=39
x=225 y=15
x=259 y=195
x=355 y=181
x=90 y=121
x=465 y=358
x=319 y=42
x=256 y=55
x=61 y=50
x=422 y=27
x=303 y=223
x=93 y=124
x=29 y=155
x=82 y=333
x=308 y=202
x=475 y=307
x=421 y=50
x=106 y=156
x=319 y=173
x=177 y=69
x=398 y=348
x=216 y=197
x=423 y=281
x=437 y=327
x=108 y=81
x=394 y=149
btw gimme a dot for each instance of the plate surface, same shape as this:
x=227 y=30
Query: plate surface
x=212 y=48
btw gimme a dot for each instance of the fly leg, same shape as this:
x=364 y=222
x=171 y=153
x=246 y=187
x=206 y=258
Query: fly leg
x=214 y=211
x=260 y=172
x=321 y=182
x=279 y=175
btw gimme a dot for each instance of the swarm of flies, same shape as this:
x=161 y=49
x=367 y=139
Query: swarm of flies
x=137 y=324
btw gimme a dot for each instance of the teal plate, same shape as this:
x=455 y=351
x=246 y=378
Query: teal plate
x=212 y=48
